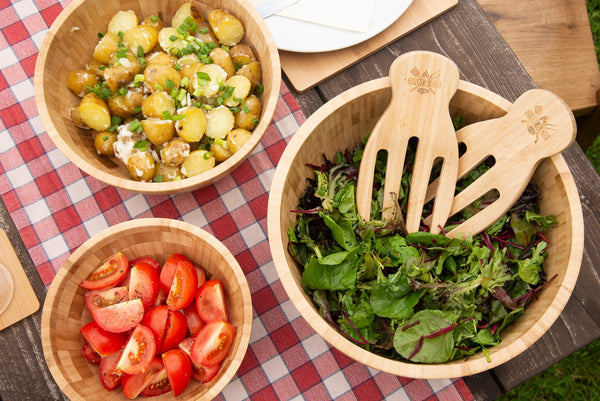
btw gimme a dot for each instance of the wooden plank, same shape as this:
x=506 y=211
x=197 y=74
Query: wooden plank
x=305 y=70
x=553 y=40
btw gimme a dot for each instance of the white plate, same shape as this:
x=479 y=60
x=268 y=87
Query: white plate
x=306 y=37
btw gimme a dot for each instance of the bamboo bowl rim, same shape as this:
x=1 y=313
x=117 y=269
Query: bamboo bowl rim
x=289 y=272
x=64 y=358
x=43 y=84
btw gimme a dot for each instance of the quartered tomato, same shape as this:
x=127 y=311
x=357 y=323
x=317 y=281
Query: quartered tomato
x=156 y=320
x=159 y=385
x=168 y=271
x=192 y=318
x=144 y=283
x=109 y=274
x=146 y=259
x=212 y=343
x=90 y=354
x=201 y=274
x=134 y=384
x=179 y=369
x=139 y=352
x=97 y=299
x=120 y=317
x=184 y=286
x=200 y=373
x=175 y=331
x=103 y=342
x=211 y=302
x=110 y=377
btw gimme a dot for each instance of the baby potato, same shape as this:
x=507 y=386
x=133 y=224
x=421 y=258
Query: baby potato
x=174 y=152
x=158 y=131
x=80 y=79
x=241 y=86
x=193 y=126
x=164 y=173
x=186 y=10
x=122 y=22
x=106 y=47
x=76 y=118
x=141 y=166
x=242 y=54
x=144 y=36
x=96 y=67
x=156 y=76
x=220 y=151
x=226 y=27
x=168 y=39
x=220 y=121
x=103 y=142
x=125 y=106
x=249 y=113
x=205 y=33
x=207 y=80
x=122 y=70
x=160 y=57
x=198 y=162
x=156 y=104
x=252 y=71
x=222 y=58
x=189 y=71
x=154 y=21
x=237 y=138
x=94 y=112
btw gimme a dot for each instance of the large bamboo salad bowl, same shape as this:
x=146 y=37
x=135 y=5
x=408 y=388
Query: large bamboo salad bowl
x=69 y=44
x=64 y=311
x=340 y=124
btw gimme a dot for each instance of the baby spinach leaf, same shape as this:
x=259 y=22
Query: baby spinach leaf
x=341 y=231
x=418 y=340
x=327 y=277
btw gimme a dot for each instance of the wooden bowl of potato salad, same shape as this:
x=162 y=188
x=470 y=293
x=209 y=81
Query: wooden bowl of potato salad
x=157 y=97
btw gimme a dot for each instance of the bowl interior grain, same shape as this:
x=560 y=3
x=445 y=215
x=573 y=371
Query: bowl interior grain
x=69 y=44
x=342 y=123
x=64 y=311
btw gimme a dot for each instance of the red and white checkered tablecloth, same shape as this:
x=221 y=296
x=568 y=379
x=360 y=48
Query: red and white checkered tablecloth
x=56 y=207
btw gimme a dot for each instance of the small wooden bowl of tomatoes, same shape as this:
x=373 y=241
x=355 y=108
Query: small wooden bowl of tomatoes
x=149 y=307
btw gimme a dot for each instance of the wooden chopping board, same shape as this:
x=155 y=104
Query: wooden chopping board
x=305 y=70
x=22 y=299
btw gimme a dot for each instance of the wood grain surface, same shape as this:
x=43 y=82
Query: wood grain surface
x=484 y=58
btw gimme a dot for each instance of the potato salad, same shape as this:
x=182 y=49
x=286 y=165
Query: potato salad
x=169 y=101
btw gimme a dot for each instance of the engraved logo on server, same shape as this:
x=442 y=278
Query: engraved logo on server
x=537 y=123
x=423 y=82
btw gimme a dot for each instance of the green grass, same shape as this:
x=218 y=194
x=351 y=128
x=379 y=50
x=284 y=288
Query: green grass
x=576 y=377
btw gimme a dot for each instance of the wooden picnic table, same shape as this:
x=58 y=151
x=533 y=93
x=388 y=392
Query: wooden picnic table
x=465 y=35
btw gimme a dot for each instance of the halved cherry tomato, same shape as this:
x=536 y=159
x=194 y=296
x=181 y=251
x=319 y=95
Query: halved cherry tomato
x=156 y=320
x=159 y=385
x=184 y=286
x=109 y=274
x=147 y=259
x=96 y=299
x=200 y=373
x=90 y=354
x=179 y=369
x=144 y=283
x=120 y=317
x=212 y=343
x=192 y=318
x=175 y=331
x=134 y=384
x=211 y=302
x=139 y=351
x=110 y=377
x=103 y=342
x=168 y=271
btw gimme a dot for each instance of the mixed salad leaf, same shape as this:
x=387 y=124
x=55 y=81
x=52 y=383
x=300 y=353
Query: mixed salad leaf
x=419 y=297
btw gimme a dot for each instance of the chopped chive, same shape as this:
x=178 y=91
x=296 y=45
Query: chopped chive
x=237 y=99
x=260 y=88
x=174 y=51
x=141 y=144
x=184 y=82
x=137 y=109
x=140 y=51
x=202 y=75
x=142 y=62
x=177 y=67
x=138 y=78
x=173 y=38
x=120 y=34
x=208 y=155
x=225 y=47
x=154 y=18
x=105 y=138
x=158 y=178
x=122 y=91
x=219 y=100
x=101 y=67
x=235 y=109
x=158 y=88
x=219 y=142
x=169 y=83
x=245 y=108
x=198 y=92
x=101 y=35
x=255 y=121
x=203 y=30
x=136 y=126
